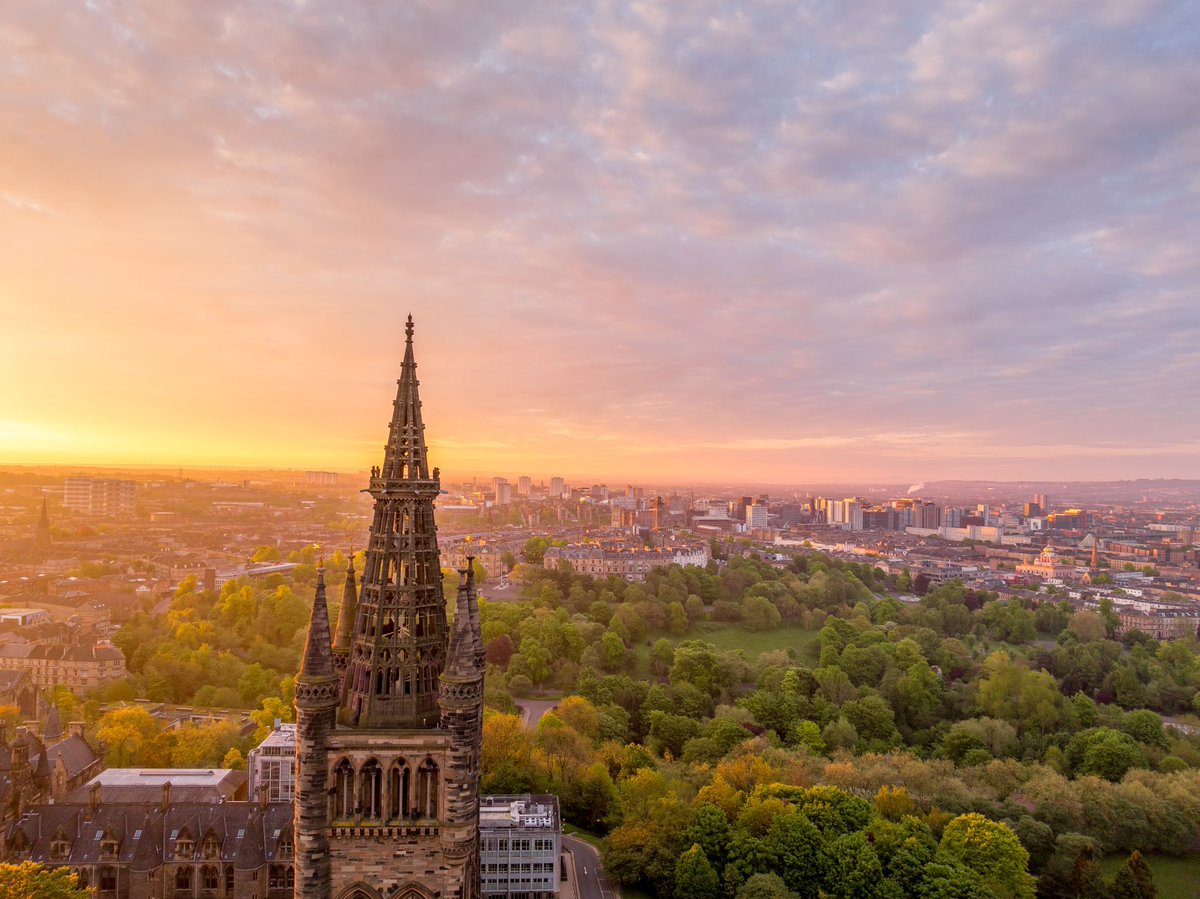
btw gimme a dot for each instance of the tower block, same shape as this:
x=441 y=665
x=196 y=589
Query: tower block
x=393 y=811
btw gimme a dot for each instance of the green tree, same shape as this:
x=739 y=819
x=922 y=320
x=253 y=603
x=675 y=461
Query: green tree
x=992 y=851
x=29 y=880
x=710 y=831
x=852 y=869
x=695 y=877
x=764 y=886
x=1105 y=753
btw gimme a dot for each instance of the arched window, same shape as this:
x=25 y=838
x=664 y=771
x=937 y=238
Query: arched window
x=371 y=781
x=289 y=878
x=185 y=846
x=287 y=847
x=183 y=880
x=399 y=789
x=343 y=789
x=209 y=877
x=276 y=879
x=109 y=846
x=229 y=880
x=427 y=789
x=108 y=879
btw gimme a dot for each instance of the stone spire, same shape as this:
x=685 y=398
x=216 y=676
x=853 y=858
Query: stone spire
x=344 y=635
x=53 y=730
x=317 y=661
x=398 y=644
x=461 y=702
x=316 y=708
x=41 y=536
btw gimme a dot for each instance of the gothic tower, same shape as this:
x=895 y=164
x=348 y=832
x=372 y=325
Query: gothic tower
x=387 y=803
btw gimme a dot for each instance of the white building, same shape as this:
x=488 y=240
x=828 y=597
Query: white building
x=756 y=516
x=99 y=496
x=520 y=840
x=273 y=763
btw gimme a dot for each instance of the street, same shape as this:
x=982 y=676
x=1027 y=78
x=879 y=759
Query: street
x=592 y=882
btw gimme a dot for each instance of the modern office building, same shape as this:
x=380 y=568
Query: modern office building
x=520 y=840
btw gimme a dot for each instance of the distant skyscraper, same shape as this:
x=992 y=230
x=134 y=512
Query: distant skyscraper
x=502 y=490
x=524 y=485
x=556 y=488
x=756 y=516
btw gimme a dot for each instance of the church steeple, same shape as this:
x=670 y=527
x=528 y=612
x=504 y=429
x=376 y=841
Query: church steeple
x=398 y=645
x=41 y=537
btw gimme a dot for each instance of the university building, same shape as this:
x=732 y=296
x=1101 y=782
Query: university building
x=388 y=735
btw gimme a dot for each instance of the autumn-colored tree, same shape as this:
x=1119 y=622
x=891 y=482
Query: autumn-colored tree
x=29 y=880
x=126 y=735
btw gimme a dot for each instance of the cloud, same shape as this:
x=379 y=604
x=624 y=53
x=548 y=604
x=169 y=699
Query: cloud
x=678 y=227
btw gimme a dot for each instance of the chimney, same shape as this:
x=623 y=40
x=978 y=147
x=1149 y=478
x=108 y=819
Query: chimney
x=93 y=801
x=261 y=789
x=75 y=729
x=31 y=726
x=166 y=796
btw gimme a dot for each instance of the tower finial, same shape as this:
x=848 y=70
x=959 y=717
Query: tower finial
x=408 y=329
x=316 y=661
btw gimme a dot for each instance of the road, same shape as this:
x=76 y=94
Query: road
x=533 y=709
x=591 y=880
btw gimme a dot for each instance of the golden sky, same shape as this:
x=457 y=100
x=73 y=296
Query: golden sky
x=648 y=241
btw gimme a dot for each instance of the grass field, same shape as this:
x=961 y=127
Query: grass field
x=1175 y=878
x=727 y=637
x=753 y=643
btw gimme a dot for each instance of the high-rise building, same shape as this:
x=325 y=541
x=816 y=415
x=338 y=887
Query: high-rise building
x=756 y=516
x=388 y=750
x=524 y=485
x=556 y=488
x=99 y=496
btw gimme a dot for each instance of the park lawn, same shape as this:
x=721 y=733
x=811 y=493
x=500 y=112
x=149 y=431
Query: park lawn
x=1175 y=878
x=728 y=637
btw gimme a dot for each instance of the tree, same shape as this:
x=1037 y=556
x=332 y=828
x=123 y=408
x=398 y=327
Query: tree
x=29 y=880
x=1105 y=753
x=710 y=831
x=1142 y=876
x=852 y=869
x=765 y=886
x=126 y=735
x=992 y=851
x=695 y=877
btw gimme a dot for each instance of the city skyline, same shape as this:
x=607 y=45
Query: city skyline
x=880 y=244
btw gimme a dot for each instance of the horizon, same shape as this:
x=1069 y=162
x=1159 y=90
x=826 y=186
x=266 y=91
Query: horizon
x=837 y=245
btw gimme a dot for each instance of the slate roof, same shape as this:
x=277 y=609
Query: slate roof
x=248 y=833
x=76 y=754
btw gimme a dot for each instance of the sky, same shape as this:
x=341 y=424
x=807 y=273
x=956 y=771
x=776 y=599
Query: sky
x=696 y=241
